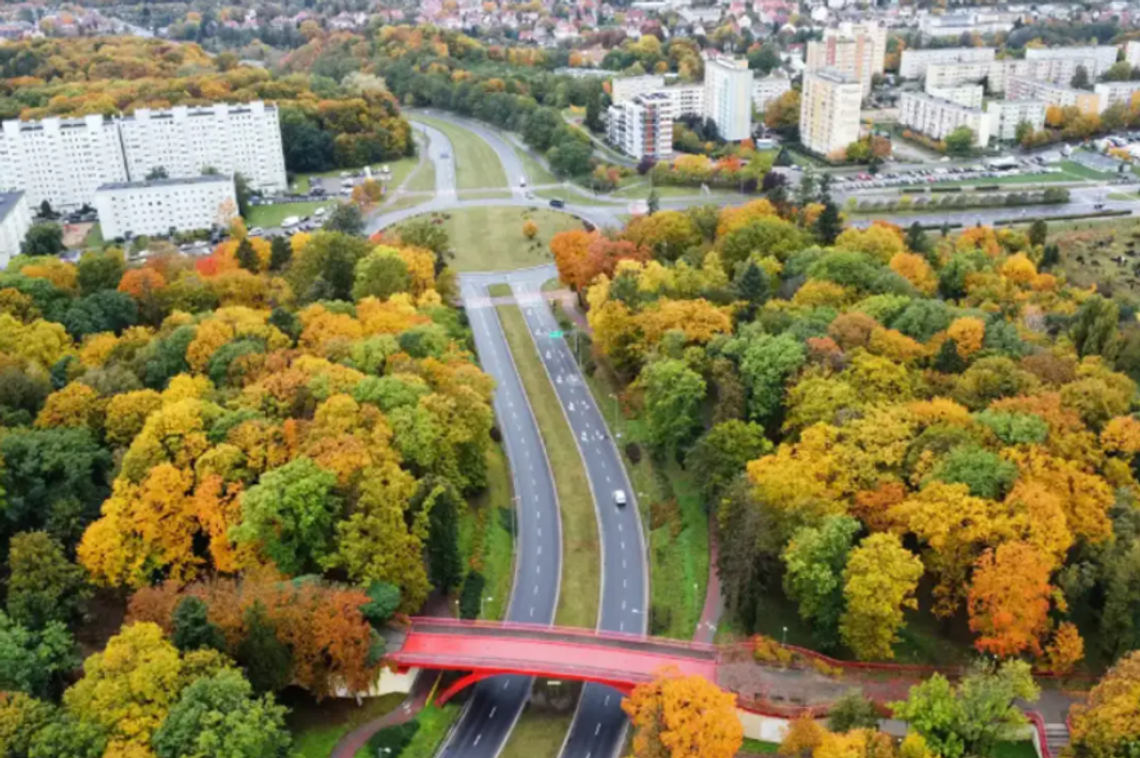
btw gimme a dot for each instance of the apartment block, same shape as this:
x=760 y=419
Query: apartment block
x=829 y=111
x=64 y=161
x=687 y=100
x=767 y=89
x=857 y=50
x=937 y=118
x=968 y=95
x=643 y=127
x=1006 y=115
x=996 y=74
x=728 y=97
x=943 y=74
x=914 y=62
x=1024 y=88
x=15 y=220
x=1103 y=56
x=976 y=22
x=1111 y=93
x=1132 y=53
x=625 y=88
x=155 y=207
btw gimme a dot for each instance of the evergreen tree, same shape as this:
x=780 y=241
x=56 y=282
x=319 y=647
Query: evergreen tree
x=384 y=600
x=471 y=598
x=945 y=229
x=1038 y=232
x=594 y=113
x=267 y=661
x=752 y=286
x=948 y=361
x=247 y=256
x=654 y=201
x=192 y=628
x=445 y=565
x=1051 y=257
x=916 y=239
x=828 y=225
x=280 y=253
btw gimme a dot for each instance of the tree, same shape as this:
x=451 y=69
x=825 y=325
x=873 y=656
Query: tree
x=783 y=114
x=1038 y=232
x=752 y=286
x=289 y=515
x=1009 y=599
x=326 y=266
x=673 y=397
x=100 y=271
x=192 y=628
x=688 y=717
x=440 y=501
x=654 y=201
x=43 y=239
x=852 y=711
x=247 y=257
x=345 y=218
x=157 y=173
x=35 y=661
x=43 y=585
x=1107 y=725
x=384 y=600
x=1080 y=78
x=381 y=274
x=828 y=225
x=280 y=253
x=267 y=661
x=722 y=452
x=814 y=560
x=244 y=192
x=1023 y=133
x=960 y=141
x=219 y=715
x=1094 y=330
x=916 y=240
x=880 y=579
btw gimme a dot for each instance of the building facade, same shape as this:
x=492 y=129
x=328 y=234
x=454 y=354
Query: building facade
x=914 y=62
x=15 y=220
x=1102 y=56
x=968 y=95
x=1024 y=88
x=829 y=111
x=766 y=89
x=625 y=88
x=1006 y=115
x=687 y=100
x=643 y=127
x=937 y=118
x=1132 y=53
x=63 y=161
x=155 y=207
x=728 y=97
x=858 y=50
x=1111 y=93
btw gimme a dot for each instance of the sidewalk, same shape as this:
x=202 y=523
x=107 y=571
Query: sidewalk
x=352 y=742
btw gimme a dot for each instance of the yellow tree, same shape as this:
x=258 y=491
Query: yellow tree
x=683 y=717
x=1108 y=725
x=880 y=580
x=1009 y=599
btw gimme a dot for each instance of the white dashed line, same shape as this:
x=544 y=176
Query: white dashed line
x=491 y=715
x=597 y=729
x=477 y=738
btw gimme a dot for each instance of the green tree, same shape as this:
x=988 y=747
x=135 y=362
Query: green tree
x=100 y=271
x=985 y=473
x=266 y=660
x=43 y=239
x=1121 y=71
x=328 y=268
x=1038 y=232
x=852 y=711
x=721 y=453
x=814 y=560
x=43 y=585
x=753 y=287
x=1080 y=79
x=767 y=235
x=35 y=661
x=280 y=253
x=439 y=499
x=345 y=218
x=423 y=233
x=381 y=274
x=192 y=627
x=1050 y=257
x=960 y=141
x=916 y=240
x=654 y=201
x=219 y=715
x=66 y=736
x=243 y=192
x=384 y=600
x=290 y=515
x=1022 y=132
x=247 y=256
x=767 y=363
x=828 y=226
x=1094 y=331
x=673 y=397
x=471 y=597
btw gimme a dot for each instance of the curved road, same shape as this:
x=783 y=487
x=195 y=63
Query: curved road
x=512 y=164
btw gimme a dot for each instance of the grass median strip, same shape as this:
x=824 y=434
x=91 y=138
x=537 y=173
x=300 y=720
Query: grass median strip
x=581 y=556
x=537 y=733
x=476 y=163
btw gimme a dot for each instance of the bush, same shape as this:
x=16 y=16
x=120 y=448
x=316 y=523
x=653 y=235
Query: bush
x=393 y=739
x=633 y=452
x=471 y=597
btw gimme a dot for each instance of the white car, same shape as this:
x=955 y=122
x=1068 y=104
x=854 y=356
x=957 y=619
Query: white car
x=256 y=231
x=619 y=498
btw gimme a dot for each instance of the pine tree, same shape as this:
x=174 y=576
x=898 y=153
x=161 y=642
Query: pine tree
x=280 y=253
x=654 y=201
x=916 y=239
x=594 y=113
x=948 y=361
x=192 y=628
x=753 y=288
x=247 y=256
x=828 y=226
x=1051 y=257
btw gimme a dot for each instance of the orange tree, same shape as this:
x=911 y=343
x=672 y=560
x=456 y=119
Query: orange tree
x=683 y=717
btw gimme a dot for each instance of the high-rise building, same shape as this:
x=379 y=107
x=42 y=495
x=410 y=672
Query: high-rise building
x=625 y=88
x=937 y=118
x=768 y=88
x=155 y=207
x=728 y=97
x=968 y=95
x=1103 y=56
x=643 y=127
x=858 y=50
x=63 y=161
x=829 y=111
x=687 y=99
x=15 y=220
x=1111 y=93
x=914 y=62
x=995 y=74
x=1132 y=53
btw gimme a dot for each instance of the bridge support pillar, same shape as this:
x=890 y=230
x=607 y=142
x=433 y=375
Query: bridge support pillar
x=463 y=682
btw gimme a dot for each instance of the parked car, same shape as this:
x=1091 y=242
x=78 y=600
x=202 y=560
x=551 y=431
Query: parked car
x=556 y=203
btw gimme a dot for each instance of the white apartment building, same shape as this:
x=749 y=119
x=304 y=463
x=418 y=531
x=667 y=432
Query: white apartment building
x=1132 y=53
x=1006 y=115
x=625 y=88
x=858 y=50
x=937 y=118
x=996 y=73
x=914 y=62
x=60 y=160
x=728 y=97
x=1111 y=93
x=156 y=207
x=643 y=127
x=977 y=22
x=766 y=89
x=687 y=99
x=829 y=111
x=1103 y=56
x=63 y=161
x=1024 y=88
x=15 y=220
x=968 y=95
x=243 y=138
x=940 y=75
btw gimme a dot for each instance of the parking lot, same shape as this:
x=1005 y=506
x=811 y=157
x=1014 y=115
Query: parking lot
x=981 y=173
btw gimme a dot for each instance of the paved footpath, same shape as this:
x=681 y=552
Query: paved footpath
x=352 y=742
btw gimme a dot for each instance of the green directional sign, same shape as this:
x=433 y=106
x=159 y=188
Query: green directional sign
x=556 y=334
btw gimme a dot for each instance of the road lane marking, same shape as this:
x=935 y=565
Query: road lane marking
x=477 y=738
x=491 y=715
x=597 y=729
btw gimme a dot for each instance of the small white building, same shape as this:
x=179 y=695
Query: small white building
x=15 y=220
x=914 y=62
x=156 y=207
x=969 y=95
x=1132 y=53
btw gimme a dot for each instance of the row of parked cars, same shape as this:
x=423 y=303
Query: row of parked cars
x=933 y=175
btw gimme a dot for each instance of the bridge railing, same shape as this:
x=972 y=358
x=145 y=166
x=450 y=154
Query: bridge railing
x=545 y=630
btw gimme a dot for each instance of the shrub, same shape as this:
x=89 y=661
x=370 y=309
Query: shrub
x=391 y=742
x=471 y=597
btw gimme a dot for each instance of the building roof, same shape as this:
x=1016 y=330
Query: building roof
x=8 y=201
x=205 y=179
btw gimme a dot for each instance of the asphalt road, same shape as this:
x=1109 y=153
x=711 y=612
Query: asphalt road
x=512 y=164
x=495 y=704
x=598 y=730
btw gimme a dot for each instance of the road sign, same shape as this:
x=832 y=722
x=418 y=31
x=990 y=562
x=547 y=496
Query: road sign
x=556 y=334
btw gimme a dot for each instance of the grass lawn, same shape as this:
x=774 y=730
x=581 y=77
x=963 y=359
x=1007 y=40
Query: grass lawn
x=1083 y=171
x=572 y=197
x=491 y=239
x=486 y=535
x=537 y=734
x=758 y=747
x=536 y=173
x=641 y=192
x=552 y=284
x=1087 y=250
x=407 y=201
x=477 y=194
x=476 y=163
x=1123 y=196
x=434 y=725
x=1023 y=749
x=499 y=290
x=267 y=216
x=1067 y=176
x=317 y=727
x=581 y=556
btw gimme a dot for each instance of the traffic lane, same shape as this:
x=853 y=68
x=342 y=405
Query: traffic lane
x=598 y=729
x=508 y=158
x=493 y=708
x=597 y=215
x=440 y=146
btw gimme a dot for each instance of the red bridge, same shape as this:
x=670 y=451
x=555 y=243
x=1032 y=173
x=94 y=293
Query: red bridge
x=488 y=649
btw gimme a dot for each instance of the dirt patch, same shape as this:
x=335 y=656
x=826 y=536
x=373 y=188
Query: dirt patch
x=1107 y=255
x=74 y=234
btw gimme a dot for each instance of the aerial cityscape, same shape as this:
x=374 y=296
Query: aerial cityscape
x=569 y=379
